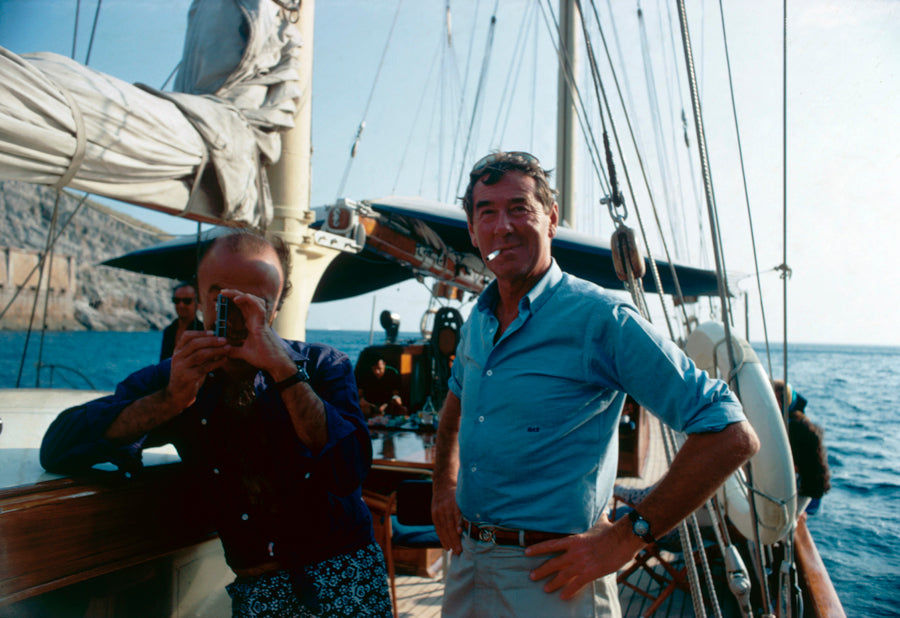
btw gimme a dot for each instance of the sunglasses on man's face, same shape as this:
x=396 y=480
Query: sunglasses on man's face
x=186 y=301
x=485 y=162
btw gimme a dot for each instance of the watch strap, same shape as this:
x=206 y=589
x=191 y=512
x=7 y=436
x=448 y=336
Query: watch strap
x=300 y=376
x=635 y=517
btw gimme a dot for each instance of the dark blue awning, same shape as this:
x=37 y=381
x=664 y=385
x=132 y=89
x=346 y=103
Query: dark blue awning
x=351 y=274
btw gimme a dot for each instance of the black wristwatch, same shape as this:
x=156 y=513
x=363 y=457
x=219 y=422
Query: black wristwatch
x=301 y=376
x=640 y=526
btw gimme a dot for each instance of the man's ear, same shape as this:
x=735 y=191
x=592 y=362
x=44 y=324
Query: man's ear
x=554 y=219
x=472 y=236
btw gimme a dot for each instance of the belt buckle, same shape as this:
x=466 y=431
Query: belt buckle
x=486 y=535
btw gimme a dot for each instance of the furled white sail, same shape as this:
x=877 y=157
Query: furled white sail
x=200 y=152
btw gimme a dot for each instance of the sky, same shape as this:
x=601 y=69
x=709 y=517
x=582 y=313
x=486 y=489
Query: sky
x=843 y=135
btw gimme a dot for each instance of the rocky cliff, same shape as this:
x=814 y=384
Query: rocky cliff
x=105 y=298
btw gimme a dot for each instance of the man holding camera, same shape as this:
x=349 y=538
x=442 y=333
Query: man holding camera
x=274 y=431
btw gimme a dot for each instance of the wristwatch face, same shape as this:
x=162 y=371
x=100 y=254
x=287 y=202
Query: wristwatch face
x=640 y=527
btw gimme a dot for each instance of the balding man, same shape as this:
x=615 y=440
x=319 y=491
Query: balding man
x=272 y=426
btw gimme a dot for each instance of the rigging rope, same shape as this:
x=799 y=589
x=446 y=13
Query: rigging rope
x=37 y=373
x=707 y=178
x=37 y=292
x=479 y=91
x=627 y=117
x=580 y=109
x=687 y=549
x=672 y=205
x=87 y=58
x=702 y=248
x=415 y=121
x=512 y=78
x=737 y=132
x=717 y=252
x=784 y=202
x=75 y=28
x=460 y=110
x=362 y=123
x=603 y=101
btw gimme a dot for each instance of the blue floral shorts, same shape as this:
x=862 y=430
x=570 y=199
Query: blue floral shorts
x=351 y=585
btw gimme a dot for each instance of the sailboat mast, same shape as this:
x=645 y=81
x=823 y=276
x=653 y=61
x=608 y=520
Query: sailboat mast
x=565 y=113
x=289 y=181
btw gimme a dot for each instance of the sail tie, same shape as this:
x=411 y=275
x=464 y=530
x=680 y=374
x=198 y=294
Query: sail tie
x=80 y=142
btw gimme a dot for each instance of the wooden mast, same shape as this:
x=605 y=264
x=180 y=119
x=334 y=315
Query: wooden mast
x=289 y=180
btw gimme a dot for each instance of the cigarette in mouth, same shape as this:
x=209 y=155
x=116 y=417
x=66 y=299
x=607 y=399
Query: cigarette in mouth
x=492 y=255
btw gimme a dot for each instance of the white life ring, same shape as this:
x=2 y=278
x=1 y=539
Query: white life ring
x=772 y=467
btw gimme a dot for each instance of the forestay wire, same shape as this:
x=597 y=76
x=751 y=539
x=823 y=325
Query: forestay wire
x=362 y=123
x=53 y=235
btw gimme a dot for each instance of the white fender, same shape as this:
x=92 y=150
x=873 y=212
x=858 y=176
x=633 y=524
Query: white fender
x=772 y=467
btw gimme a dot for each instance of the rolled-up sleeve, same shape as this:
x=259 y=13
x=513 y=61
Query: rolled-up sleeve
x=663 y=379
x=74 y=441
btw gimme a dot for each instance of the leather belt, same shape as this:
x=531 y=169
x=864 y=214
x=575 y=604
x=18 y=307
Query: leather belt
x=259 y=569
x=508 y=536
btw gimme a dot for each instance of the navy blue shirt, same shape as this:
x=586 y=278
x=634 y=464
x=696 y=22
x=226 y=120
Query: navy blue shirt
x=269 y=496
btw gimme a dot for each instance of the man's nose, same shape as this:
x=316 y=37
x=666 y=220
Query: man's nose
x=504 y=221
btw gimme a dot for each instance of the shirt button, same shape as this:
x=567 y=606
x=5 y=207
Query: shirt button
x=490 y=372
x=480 y=419
x=215 y=470
x=202 y=421
x=245 y=517
x=474 y=468
x=306 y=476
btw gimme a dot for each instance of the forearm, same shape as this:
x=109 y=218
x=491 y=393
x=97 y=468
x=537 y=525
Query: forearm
x=142 y=416
x=702 y=464
x=446 y=458
x=308 y=416
x=444 y=509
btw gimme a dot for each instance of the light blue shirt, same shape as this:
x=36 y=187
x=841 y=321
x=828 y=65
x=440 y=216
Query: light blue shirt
x=540 y=408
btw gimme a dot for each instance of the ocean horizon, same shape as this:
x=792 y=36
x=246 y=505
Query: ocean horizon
x=853 y=393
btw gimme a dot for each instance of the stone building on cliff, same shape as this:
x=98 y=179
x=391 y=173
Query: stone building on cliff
x=84 y=294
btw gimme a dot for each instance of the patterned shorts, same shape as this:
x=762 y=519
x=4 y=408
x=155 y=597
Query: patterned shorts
x=351 y=585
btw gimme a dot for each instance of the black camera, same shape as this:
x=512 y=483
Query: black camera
x=224 y=305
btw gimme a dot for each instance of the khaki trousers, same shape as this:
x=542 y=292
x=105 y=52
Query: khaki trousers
x=492 y=581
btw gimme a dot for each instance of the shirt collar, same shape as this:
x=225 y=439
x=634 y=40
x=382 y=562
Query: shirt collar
x=536 y=297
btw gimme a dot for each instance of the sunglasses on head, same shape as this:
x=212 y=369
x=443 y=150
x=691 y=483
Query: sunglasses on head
x=485 y=162
x=186 y=301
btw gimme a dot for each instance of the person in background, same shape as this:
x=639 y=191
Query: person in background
x=808 y=450
x=184 y=297
x=379 y=386
x=526 y=447
x=274 y=428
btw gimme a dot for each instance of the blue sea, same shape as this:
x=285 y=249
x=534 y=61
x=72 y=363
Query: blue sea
x=853 y=392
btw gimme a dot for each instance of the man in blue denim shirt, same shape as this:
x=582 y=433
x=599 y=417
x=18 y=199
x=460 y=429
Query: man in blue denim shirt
x=271 y=429
x=526 y=449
